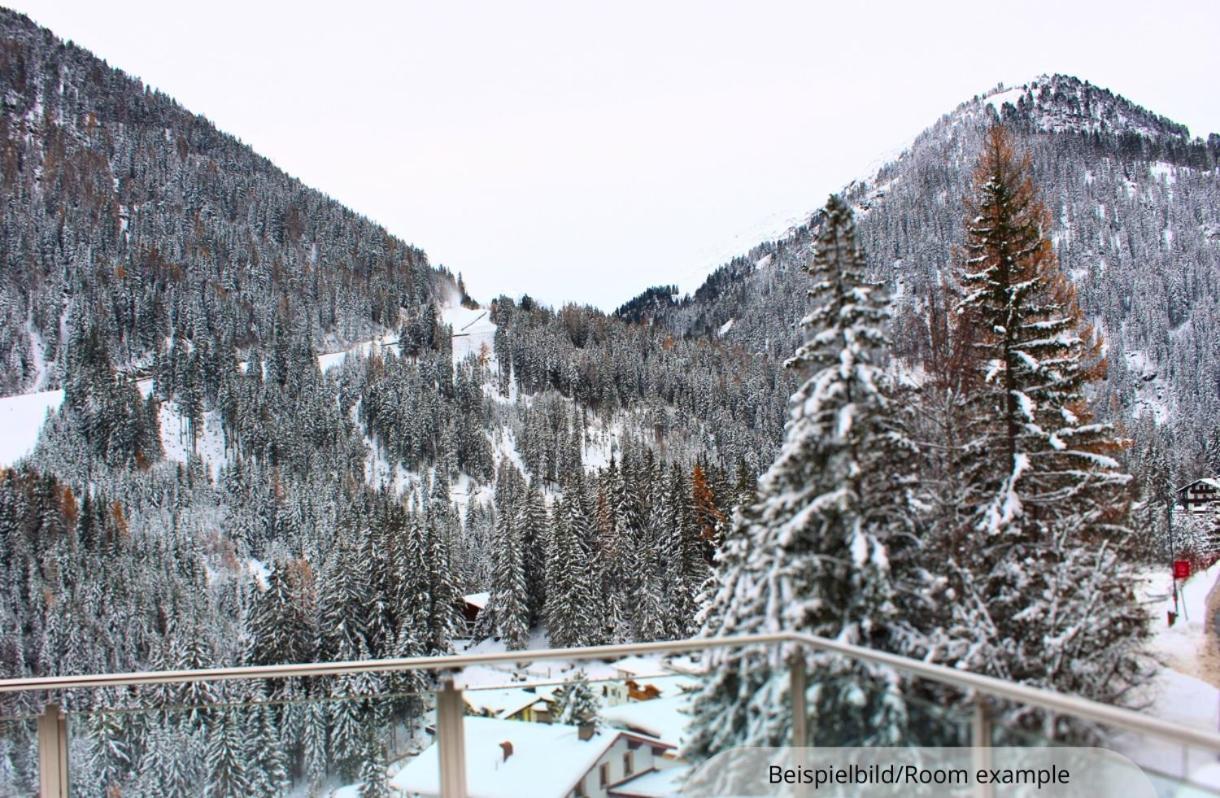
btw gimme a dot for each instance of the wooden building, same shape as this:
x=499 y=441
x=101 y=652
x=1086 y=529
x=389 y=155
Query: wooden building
x=1199 y=496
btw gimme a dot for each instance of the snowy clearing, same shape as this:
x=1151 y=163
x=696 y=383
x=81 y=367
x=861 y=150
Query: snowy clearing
x=21 y=417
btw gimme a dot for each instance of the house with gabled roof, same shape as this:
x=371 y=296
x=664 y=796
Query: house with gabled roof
x=1200 y=495
x=510 y=759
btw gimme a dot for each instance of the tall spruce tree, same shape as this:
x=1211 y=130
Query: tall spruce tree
x=813 y=553
x=570 y=613
x=227 y=773
x=507 y=611
x=1041 y=594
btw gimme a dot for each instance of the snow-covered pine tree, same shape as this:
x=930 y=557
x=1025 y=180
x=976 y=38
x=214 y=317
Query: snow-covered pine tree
x=373 y=768
x=268 y=757
x=811 y=554
x=622 y=575
x=576 y=703
x=1042 y=596
x=569 y=611
x=169 y=765
x=507 y=611
x=342 y=595
x=655 y=615
x=532 y=524
x=316 y=747
x=443 y=593
x=227 y=773
x=681 y=555
x=111 y=739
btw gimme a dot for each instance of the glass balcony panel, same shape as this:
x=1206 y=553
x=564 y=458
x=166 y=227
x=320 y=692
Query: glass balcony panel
x=310 y=736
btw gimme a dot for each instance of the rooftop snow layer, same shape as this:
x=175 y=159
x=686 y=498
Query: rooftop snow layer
x=547 y=759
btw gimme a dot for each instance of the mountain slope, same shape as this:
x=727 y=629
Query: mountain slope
x=123 y=207
x=1136 y=207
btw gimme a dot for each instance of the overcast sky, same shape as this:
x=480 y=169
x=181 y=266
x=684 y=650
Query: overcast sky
x=583 y=151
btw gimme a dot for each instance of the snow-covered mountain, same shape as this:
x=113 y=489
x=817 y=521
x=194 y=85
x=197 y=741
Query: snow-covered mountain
x=1136 y=207
x=126 y=209
x=274 y=433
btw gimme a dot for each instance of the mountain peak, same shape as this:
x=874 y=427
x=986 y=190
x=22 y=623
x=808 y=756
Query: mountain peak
x=1067 y=104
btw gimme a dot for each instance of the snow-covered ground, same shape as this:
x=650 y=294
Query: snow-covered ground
x=473 y=332
x=1181 y=646
x=21 y=418
x=1181 y=691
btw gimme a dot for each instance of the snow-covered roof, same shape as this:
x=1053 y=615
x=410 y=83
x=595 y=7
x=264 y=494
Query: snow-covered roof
x=506 y=702
x=652 y=784
x=477 y=599
x=547 y=760
x=662 y=718
x=1213 y=482
x=640 y=666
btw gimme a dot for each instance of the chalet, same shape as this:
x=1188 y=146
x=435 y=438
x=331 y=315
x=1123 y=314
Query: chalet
x=1199 y=496
x=506 y=759
x=471 y=606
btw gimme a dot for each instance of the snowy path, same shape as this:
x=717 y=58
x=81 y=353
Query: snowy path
x=1209 y=652
x=1185 y=689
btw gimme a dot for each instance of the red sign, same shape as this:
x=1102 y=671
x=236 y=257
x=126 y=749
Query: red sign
x=1181 y=569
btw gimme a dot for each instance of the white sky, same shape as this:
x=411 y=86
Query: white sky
x=583 y=151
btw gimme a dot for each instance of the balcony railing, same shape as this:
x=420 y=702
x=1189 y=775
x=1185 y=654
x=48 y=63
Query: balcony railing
x=53 y=727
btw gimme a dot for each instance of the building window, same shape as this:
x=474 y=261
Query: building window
x=580 y=789
x=603 y=775
x=628 y=764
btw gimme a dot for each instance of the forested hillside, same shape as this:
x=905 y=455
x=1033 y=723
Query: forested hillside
x=123 y=208
x=276 y=434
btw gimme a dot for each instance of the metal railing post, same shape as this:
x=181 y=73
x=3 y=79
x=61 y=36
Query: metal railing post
x=800 y=714
x=451 y=741
x=52 y=753
x=980 y=739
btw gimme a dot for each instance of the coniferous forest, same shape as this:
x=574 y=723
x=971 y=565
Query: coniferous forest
x=940 y=418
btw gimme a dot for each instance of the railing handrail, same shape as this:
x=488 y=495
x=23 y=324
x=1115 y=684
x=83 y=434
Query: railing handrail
x=1076 y=706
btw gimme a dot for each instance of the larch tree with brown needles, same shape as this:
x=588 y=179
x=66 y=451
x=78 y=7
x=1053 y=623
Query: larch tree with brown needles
x=1041 y=595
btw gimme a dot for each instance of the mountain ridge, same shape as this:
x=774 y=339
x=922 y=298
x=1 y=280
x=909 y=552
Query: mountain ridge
x=205 y=227
x=1134 y=203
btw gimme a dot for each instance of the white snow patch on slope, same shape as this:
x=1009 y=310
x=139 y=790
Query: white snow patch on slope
x=1004 y=96
x=176 y=439
x=724 y=328
x=21 y=419
x=1151 y=389
x=473 y=332
x=364 y=349
x=1163 y=171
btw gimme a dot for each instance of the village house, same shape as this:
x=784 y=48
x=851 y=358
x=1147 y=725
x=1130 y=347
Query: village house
x=1200 y=496
x=532 y=704
x=646 y=679
x=471 y=606
x=509 y=759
